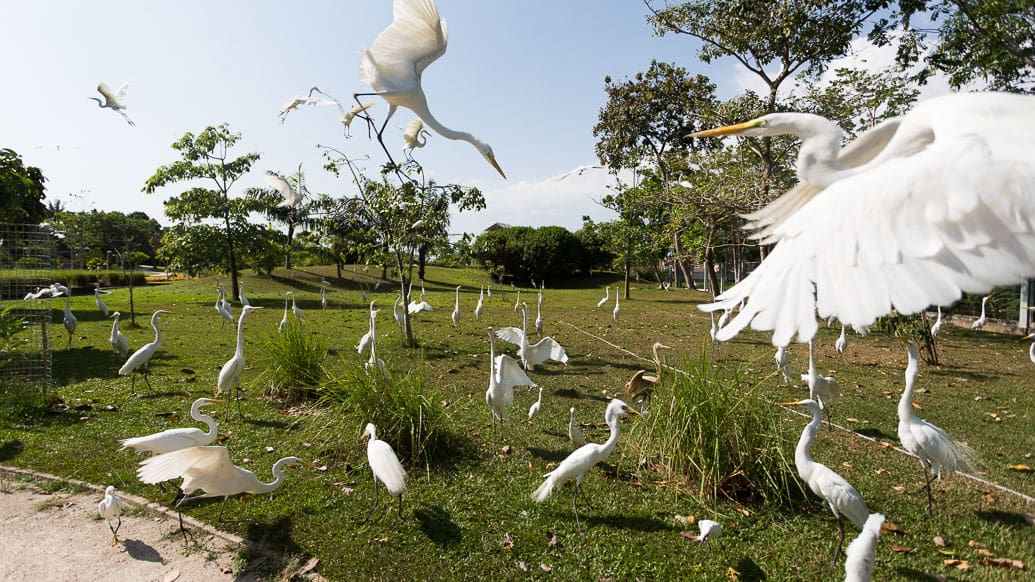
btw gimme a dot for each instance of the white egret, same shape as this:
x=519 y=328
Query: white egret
x=418 y=306
x=517 y=301
x=221 y=309
x=240 y=295
x=481 y=303
x=859 y=558
x=783 y=363
x=574 y=433
x=346 y=116
x=291 y=105
x=937 y=326
x=103 y=307
x=724 y=318
x=109 y=507
x=142 y=357
x=299 y=314
x=1031 y=349
x=415 y=136
x=534 y=409
x=175 y=439
x=532 y=354
x=57 y=290
x=364 y=342
x=822 y=389
x=617 y=310
x=639 y=388
x=935 y=449
x=607 y=296
x=504 y=375
x=539 y=317
x=209 y=469
x=113 y=101
x=581 y=459
x=385 y=466
x=70 y=321
x=714 y=331
x=291 y=196
x=394 y=63
x=230 y=373
x=455 y=316
x=840 y=496
x=842 y=341
x=578 y=171
x=118 y=340
x=709 y=530
x=980 y=321
x=914 y=212
x=374 y=362
x=397 y=313
x=323 y=298
x=284 y=320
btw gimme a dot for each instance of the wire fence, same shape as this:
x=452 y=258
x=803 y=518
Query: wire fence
x=27 y=255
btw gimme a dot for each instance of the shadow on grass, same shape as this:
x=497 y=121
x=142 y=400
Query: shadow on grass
x=876 y=433
x=629 y=522
x=269 y=547
x=139 y=550
x=10 y=450
x=265 y=423
x=548 y=455
x=749 y=570
x=1006 y=517
x=911 y=574
x=436 y=523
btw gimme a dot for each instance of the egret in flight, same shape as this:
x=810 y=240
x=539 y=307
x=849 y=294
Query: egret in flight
x=113 y=101
x=279 y=183
x=394 y=63
x=346 y=117
x=504 y=375
x=914 y=212
x=532 y=354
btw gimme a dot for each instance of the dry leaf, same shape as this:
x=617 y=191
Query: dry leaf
x=506 y=449
x=984 y=553
x=269 y=449
x=939 y=541
x=545 y=568
x=381 y=540
x=976 y=544
x=899 y=489
x=917 y=406
x=850 y=419
x=506 y=543
x=989 y=496
x=522 y=567
x=171 y=576
x=347 y=490
x=881 y=471
x=690 y=535
x=958 y=564
x=551 y=539
x=892 y=526
x=901 y=549
x=226 y=570
x=309 y=566
x=307 y=445
x=322 y=468
x=1003 y=563
x=846 y=465
x=684 y=520
x=1021 y=468
x=246 y=460
x=947 y=552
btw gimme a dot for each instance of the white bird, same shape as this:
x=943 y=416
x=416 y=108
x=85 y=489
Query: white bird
x=397 y=313
x=70 y=321
x=714 y=331
x=323 y=298
x=842 y=341
x=574 y=433
x=394 y=63
x=783 y=363
x=840 y=496
x=291 y=196
x=617 y=309
x=412 y=137
x=980 y=321
x=385 y=466
x=100 y=304
x=455 y=316
x=481 y=303
x=1031 y=349
x=221 y=309
x=710 y=530
x=504 y=375
x=364 y=342
x=109 y=507
x=859 y=558
x=583 y=458
x=517 y=301
x=57 y=290
x=284 y=320
x=175 y=439
x=578 y=171
x=935 y=449
x=230 y=373
x=113 y=101
x=539 y=316
x=607 y=296
x=142 y=357
x=534 y=409
x=374 y=362
x=346 y=116
x=299 y=314
x=822 y=389
x=240 y=296
x=532 y=354
x=291 y=105
x=118 y=340
x=418 y=306
x=937 y=323
x=209 y=469
x=914 y=212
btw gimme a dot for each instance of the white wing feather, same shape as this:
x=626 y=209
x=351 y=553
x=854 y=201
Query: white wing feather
x=414 y=40
x=510 y=334
x=546 y=349
x=386 y=466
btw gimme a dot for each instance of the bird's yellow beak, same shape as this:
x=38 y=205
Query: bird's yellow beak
x=730 y=129
x=310 y=465
x=794 y=403
x=492 y=160
x=632 y=411
x=1028 y=337
x=216 y=401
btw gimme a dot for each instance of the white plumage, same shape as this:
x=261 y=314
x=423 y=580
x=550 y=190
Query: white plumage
x=279 y=183
x=142 y=357
x=118 y=340
x=299 y=314
x=504 y=375
x=385 y=466
x=822 y=389
x=230 y=373
x=574 y=433
x=284 y=320
x=534 y=409
x=111 y=507
x=607 y=297
x=175 y=439
x=859 y=559
x=937 y=326
x=70 y=321
x=532 y=354
x=980 y=321
x=101 y=305
x=481 y=303
x=364 y=342
x=842 y=341
x=113 y=100
x=374 y=362
x=455 y=316
x=221 y=308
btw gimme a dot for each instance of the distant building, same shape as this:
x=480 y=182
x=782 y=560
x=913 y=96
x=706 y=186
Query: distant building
x=496 y=226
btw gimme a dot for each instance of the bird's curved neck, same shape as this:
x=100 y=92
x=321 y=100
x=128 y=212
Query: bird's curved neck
x=195 y=412
x=905 y=403
x=240 y=335
x=278 y=474
x=802 y=458
x=422 y=111
x=612 y=439
x=158 y=330
x=817 y=158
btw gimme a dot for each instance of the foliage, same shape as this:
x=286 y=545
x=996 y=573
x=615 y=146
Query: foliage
x=523 y=252
x=92 y=235
x=78 y=278
x=639 y=237
x=294 y=362
x=10 y=326
x=594 y=246
x=857 y=99
x=302 y=215
x=21 y=190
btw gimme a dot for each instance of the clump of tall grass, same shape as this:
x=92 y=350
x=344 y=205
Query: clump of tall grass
x=714 y=430
x=294 y=363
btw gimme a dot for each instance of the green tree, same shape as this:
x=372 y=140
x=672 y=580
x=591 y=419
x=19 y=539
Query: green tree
x=639 y=236
x=293 y=217
x=206 y=157
x=21 y=190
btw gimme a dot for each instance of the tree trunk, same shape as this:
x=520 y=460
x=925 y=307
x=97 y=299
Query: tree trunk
x=628 y=268
x=422 y=258
x=709 y=265
x=677 y=246
x=234 y=285
x=290 y=239
x=337 y=264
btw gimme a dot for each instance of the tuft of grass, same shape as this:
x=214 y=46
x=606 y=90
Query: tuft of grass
x=713 y=429
x=295 y=359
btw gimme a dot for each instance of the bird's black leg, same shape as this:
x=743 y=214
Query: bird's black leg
x=840 y=540
x=186 y=533
x=400 y=505
x=147 y=381
x=219 y=517
x=237 y=388
x=374 y=505
x=927 y=486
x=363 y=114
x=575 y=507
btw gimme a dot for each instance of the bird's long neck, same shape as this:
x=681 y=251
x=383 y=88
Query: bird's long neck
x=524 y=321
x=817 y=158
x=905 y=403
x=812 y=367
x=240 y=334
x=278 y=473
x=422 y=111
x=195 y=412
x=458 y=299
x=115 y=328
x=492 y=360
x=158 y=330
x=612 y=439
x=373 y=337
x=802 y=458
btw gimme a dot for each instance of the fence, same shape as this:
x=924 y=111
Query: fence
x=26 y=260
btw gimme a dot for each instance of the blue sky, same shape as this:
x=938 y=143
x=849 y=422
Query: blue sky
x=526 y=76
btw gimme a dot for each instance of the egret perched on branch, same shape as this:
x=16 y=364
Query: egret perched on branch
x=175 y=439
x=142 y=357
x=532 y=354
x=980 y=321
x=935 y=449
x=103 y=307
x=914 y=212
x=230 y=373
x=109 y=507
x=859 y=559
x=346 y=117
x=607 y=296
x=113 y=101
x=118 y=340
x=579 y=461
x=481 y=303
x=504 y=375
x=455 y=316
x=279 y=183
x=385 y=466
x=394 y=63
x=841 y=497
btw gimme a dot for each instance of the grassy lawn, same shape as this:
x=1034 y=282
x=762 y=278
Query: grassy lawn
x=461 y=507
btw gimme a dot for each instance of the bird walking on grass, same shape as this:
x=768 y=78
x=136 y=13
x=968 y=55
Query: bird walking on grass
x=230 y=373
x=175 y=439
x=118 y=340
x=385 y=466
x=142 y=357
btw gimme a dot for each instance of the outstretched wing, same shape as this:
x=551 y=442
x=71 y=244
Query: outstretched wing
x=414 y=40
x=191 y=464
x=281 y=185
x=510 y=334
x=510 y=374
x=547 y=349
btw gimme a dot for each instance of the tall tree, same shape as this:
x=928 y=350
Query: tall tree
x=294 y=217
x=21 y=190
x=639 y=237
x=207 y=157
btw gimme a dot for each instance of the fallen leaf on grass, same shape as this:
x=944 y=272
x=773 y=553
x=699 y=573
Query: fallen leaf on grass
x=309 y=566
x=381 y=540
x=892 y=527
x=226 y=570
x=322 y=468
x=506 y=543
x=685 y=520
x=846 y=465
x=975 y=544
x=1003 y=563
x=989 y=497
x=1021 y=468
x=947 y=552
x=939 y=541
x=901 y=549
x=506 y=449
x=958 y=564
x=347 y=490
x=881 y=471
x=984 y=553
x=899 y=489
x=545 y=568
x=917 y=406
x=551 y=539
x=269 y=449
x=690 y=535
x=522 y=567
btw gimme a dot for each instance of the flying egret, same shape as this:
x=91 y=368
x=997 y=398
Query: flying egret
x=574 y=433
x=534 y=409
x=980 y=321
x=230 y=373
x=639 y=388
x=142 y=357
x=607 y=296
x=345 y=117
x=209 y=469
x=937 y=326
x=394 y=63
x=109 y=507
x=455 y=316
x=113 y=101
x=284 y=320
x=291 y=196
x=842 y=341
x=935 y=449
x=914 y=212
x=840 y=496
x=617 y=310
x=364 y=342
x=103 y=307
x=374 y=362
x=414 y=137
x=504 y=375
x=175 y=439
x=859 y=558
x=118 y=340
x=291 y=105
x=385 y=466
x=481 y=303
x=532 y=354
x=221 y=309
x=299 y=314
x=581 y=459
x=240 y=295
x=822 y=389
x=70 y=321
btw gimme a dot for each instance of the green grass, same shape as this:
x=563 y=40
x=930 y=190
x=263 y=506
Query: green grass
x=463 y=501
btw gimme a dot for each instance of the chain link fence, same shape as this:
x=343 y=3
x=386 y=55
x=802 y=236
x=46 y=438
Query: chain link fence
x=26 y=260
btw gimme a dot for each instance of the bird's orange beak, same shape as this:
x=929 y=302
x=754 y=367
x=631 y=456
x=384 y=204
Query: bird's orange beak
x=492 y=160
x=310 y=465
x=794 y=403
x=730 y=129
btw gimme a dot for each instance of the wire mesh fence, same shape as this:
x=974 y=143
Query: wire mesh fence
x=26 y=260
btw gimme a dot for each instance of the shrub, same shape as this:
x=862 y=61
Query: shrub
x=294 y=363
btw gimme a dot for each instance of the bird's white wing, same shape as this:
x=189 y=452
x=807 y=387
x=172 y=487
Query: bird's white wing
x=281 y=185
x=105 y=92
x=915 y=231
x=167 y=441
x=414 y=40
x=386 y=466
x=190 y=464
x=510 y=334
x=547 y=349
x=508 y=375
x=120 y=93
x=364 y=343
x=943 y=451
x=841 y=495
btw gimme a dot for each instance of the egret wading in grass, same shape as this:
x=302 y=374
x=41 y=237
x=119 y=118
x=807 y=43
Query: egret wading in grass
x=532 y=354
x=111 y=507
x=640 y=387
x=299 y=314
x=922 y=208
x=481 y=303
x=607 y=296
x=574 y=433
x=284 y=320
x=504 y=375
x=385 y=466
x=70 y=321
x=240 y=295
x=455 y=316
x=230 y=373
x=175 y=439
x=373 y=362
x=579 y=461
x=534 y=409
x=142 y=357
x=981 y=320
x=937 y=451
x=859 y=558
x=118 y=340
x=839 y=495
x=394 y=63
x=113 y=100
x=710 y=530
x=101 y=305
x=345 y=116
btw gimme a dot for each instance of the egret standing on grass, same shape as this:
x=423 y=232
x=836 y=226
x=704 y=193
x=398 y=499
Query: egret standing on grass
x=574 y=434
x=517 y=301
x=481 y=303
x=534 y=409
x=617 y=310
x=240 y=295
x=710 y=530
x=532 y=354
x=113 y=101
x=842 y=341
x=323 y=298
x=142 y=357
x=980 y=321
x=374 y=362
x=504 y=375
x=284 y=320
x=70 y=321
x=299 y=314
x=230 y=373
x=935 y=449
x=394 y=63
x=175 y=439
x=607 y=296
x=364 y=342
x=579 y=461
x=100 y=304
x=822 y=389
x=859 y=559
x=385 y=466
x=110 y=507
x=455 y=316
x=937 y=323
x=118 y=340
x=221 y=309
x=921 y=209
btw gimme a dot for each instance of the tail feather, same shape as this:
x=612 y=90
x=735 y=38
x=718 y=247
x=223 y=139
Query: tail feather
x=544 y=490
